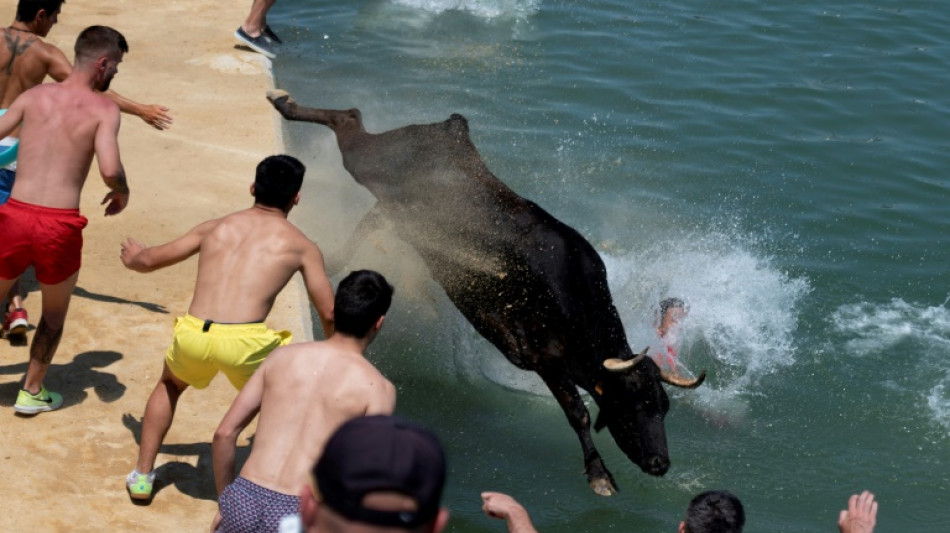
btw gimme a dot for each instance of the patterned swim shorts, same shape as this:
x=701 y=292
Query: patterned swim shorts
x=249 y=508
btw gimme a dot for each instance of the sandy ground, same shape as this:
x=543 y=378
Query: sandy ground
x=64 y=470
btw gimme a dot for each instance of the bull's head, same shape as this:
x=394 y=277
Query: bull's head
x=633 y=405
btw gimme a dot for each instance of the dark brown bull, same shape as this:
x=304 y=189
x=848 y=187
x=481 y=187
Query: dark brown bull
x=531 y=285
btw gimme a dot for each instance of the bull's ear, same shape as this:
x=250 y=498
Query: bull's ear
x=601 y=421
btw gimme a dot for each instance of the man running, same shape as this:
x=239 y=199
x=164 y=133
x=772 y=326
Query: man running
x=63 y=126
x=303 y=393
x=244 y=260
x=26 y=60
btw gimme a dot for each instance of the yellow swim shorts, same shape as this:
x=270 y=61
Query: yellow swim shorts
x=198 y=351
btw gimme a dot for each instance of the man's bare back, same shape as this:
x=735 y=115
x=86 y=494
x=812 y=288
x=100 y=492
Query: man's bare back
x=25 y=60
x=309 y=389
x=63 y=125
x=246 y=258
x=303 y=392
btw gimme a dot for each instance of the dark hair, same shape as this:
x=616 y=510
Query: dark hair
x=26 y=10
x=96 y=41
x=668 y=303
x=715 y=511
x=361 y=298
x=278 y=180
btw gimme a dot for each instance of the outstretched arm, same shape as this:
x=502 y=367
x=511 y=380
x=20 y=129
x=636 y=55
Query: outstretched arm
x=141 y=258
x=503 y=506
x=860 y=516
x=154 y=115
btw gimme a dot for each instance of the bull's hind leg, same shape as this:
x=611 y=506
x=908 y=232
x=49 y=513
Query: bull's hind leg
x=598 y=477
x=333 y=119
x=283 y=103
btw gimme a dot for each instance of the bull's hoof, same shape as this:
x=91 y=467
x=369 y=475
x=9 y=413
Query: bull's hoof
x=603 y=487
x=274 y=94
x=278 y=97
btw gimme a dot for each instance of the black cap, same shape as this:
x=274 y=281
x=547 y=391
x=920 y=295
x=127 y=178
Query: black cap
x=382 y=453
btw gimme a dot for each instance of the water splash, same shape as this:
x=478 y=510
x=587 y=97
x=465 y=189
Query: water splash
x=899 y=326
x=874 y=327
x=741 y=308
x=742 y=316
x=938 y=401
x=488 y=9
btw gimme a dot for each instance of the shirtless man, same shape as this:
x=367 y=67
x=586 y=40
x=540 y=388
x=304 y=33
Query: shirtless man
x=244 y=260
x=26 y=61
x=303 y=393
x=63 y=126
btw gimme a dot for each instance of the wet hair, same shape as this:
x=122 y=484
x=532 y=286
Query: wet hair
x=97 y=41
x=26 y=10
x=669 y=303
x=278 y=180
x=715 y=511
x=361 y=298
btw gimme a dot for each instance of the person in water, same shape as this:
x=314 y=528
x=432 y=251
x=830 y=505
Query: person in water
x=672 y=312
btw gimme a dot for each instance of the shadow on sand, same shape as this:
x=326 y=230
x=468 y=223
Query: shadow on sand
x=72 y=379
x=196 y=481
x=28 y=285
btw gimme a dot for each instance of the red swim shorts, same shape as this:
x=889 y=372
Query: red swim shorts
x=48 y=238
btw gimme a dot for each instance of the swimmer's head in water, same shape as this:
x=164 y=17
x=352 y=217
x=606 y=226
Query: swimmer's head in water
x=672 y=310
x=667 y=303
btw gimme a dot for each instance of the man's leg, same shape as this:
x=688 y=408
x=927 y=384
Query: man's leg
x=15 y=320
x=254 y=32
x=14 y=297
x=256 y=19
x=6 y=286
x=49 y=331
x=159 y=412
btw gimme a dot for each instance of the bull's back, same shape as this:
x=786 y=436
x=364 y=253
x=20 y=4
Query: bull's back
x=496 y=254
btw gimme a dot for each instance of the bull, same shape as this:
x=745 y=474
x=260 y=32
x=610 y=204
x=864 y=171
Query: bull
x=530 y=284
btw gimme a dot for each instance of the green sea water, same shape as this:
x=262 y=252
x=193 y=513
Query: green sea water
x=779 y=165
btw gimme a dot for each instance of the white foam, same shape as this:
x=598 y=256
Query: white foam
x=938 y=401
x=488 y=9
x=873 y=327
x=876 y=328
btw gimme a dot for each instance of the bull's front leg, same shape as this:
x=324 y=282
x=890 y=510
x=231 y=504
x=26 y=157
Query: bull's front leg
x=371 y=222
x=598 y=477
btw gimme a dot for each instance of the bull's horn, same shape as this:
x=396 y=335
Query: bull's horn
x=676 y=381
x=619 y=365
